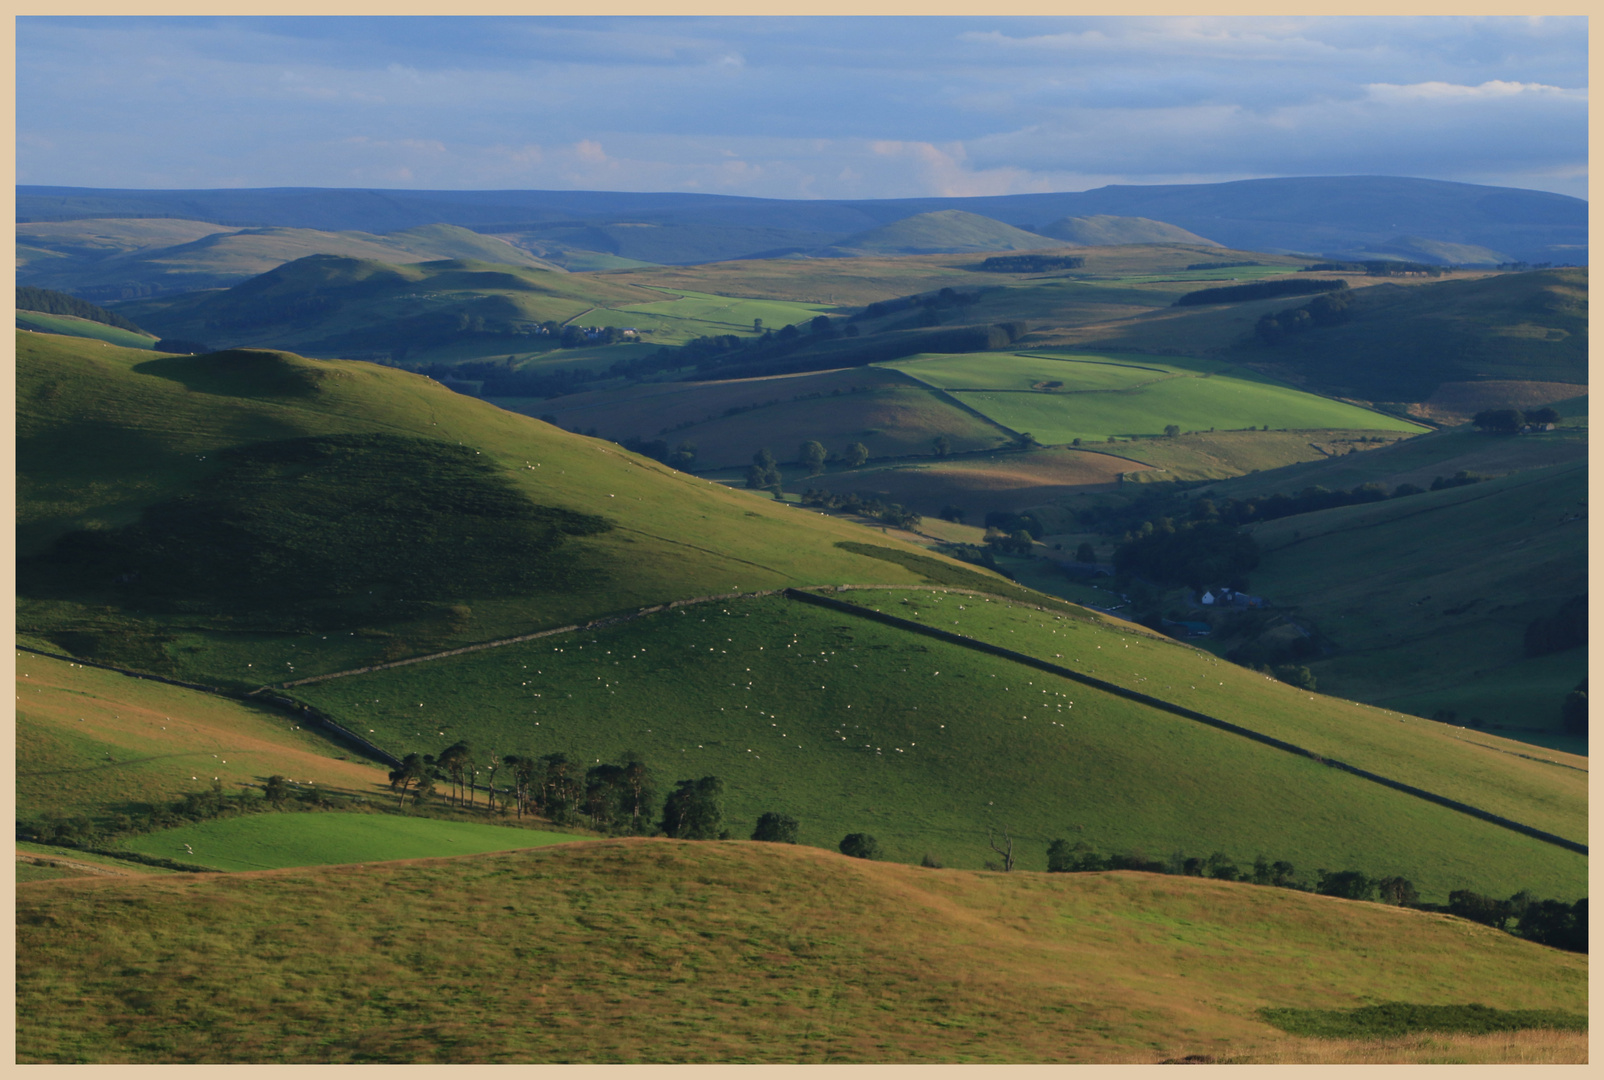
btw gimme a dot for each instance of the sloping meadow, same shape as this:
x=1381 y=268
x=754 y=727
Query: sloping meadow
x=851 y=726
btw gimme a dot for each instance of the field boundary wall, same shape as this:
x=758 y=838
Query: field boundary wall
x=1182 y=711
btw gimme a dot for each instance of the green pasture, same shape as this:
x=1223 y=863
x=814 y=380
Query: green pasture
x=72 y=326
x=1548 y=791
x=689 y=952
x=851 y=726
x=270 y=841
x=733 y=314
x=1102 y=396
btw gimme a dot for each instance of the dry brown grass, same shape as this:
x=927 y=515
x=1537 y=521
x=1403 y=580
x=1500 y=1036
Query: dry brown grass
x=683 y=952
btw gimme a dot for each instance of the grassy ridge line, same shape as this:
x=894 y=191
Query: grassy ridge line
x=1190 y=714
x=123 y=671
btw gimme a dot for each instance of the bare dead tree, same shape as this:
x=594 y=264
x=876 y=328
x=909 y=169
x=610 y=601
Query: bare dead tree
x=1007 y=853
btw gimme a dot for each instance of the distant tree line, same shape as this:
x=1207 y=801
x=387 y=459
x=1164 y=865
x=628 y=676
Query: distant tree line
x=1034 y=264
x=1548 y=922
x=50 y=302
x=1261 y=290
x=1221 y=265
x=681 y=456
x=1378 y=268
x=1258 y=508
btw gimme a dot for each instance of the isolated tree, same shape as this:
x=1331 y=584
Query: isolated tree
x=813 y=454
x=860 y=846
x=942 y=444
x=757 y=326
x=775 y=829
x=1171 y=430
x=1006 y=851
x=1060 y=857
x=857 y=455
x=694 y=809
x=764 y=475
x=820 y=324
x=1544 y=415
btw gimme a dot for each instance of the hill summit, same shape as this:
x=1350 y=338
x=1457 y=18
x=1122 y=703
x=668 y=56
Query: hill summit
x=937 y=233
x=1109 y=230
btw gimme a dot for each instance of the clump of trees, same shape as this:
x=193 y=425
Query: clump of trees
x=764 y=475
x=860 y=846
x=694 y=810
x=1191 y=553
x=1330 y=309
x=1510 y=421
x=776 y=828
x=893 y=514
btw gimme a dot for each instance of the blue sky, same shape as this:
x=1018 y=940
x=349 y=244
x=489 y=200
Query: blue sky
x=797 y=107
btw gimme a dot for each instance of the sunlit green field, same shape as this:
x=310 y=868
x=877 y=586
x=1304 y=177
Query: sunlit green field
x=1103 y=395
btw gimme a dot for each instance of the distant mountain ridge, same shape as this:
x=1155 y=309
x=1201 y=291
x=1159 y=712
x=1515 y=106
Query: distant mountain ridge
x=1312 y=215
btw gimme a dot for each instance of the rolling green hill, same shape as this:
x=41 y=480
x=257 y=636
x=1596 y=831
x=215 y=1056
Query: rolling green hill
x=120 y=454
x=664 y=951
x=938 y=232
x=1403 y=343
x=1102 y=230
x=445 y=311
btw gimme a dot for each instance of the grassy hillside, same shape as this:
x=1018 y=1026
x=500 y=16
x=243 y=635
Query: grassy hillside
x=1058 y=397
x=109 y=439
x=671 y=951
x=939 y=232
x=1101 y=230
x=1427 y=599
x=851 y=726
x=95 y=743
x=1403 y=342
